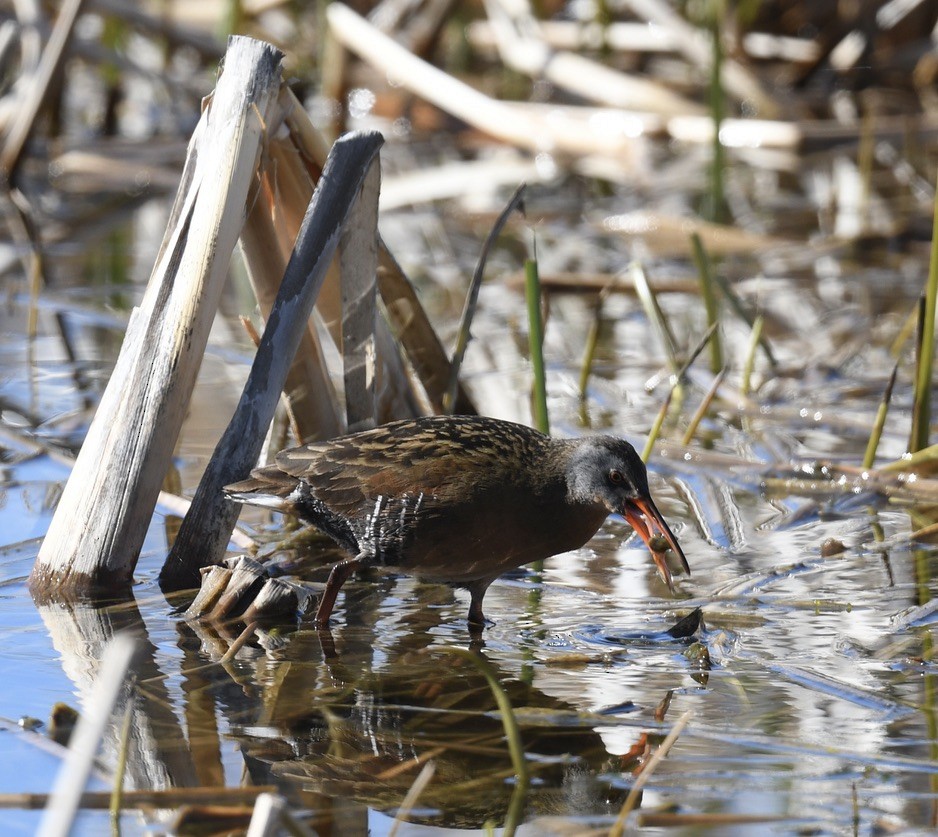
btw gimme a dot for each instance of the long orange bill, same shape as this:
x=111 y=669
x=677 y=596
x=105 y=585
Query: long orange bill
x=643 y=516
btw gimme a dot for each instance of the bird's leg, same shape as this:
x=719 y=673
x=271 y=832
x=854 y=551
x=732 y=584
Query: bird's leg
x=340 y=572
x=476 y=617
x=477 y=593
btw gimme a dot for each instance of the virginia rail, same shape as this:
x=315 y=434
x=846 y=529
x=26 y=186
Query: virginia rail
x=458 y=499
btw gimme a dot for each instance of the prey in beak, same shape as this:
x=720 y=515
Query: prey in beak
x=643 y=516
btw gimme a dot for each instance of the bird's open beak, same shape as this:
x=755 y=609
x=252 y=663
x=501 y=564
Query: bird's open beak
x=643 y=516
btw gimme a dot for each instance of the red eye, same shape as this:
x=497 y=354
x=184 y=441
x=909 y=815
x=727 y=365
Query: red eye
x=615 y=477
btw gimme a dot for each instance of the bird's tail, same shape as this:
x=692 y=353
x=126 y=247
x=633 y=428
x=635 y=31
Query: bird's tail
x=269 y=487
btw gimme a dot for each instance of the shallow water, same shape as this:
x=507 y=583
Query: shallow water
x=796 y=712
x=816 y=710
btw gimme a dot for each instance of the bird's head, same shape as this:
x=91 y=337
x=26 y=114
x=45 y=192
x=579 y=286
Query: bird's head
x=608 y=471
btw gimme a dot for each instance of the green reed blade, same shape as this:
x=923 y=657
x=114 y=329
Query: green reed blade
x=654 y=313
x=715 y=204
x=676 y=380
x=659 y=420
x=736 y=304
x=512 y=734
x=921 y=411
x=870 y=456
x=746 y=384
x=710 y=300
x=701 y=411
x=589 y=349
x=532 y=293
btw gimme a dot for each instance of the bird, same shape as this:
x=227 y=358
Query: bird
x=458 y=499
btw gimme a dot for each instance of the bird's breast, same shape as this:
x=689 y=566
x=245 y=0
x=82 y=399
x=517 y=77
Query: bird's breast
x=468 y=542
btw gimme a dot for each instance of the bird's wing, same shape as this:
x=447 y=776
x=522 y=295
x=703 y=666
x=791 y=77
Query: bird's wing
x=349 y=479
x=445 y=462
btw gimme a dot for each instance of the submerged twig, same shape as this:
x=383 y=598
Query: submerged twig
x=238 y=644
x=413 y=794
x=630 y=801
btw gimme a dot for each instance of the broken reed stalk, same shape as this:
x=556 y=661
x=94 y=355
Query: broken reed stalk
x=101 y=520
x=708 y=293
x=347 y=177
x=525 y=127
x=310 y=395
x=516 y=201
x=880 y=422
x=520 y=40
x=921 y=410
x=532 y=294
x=358 y=264
x=297 y=157
x=415 y=333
